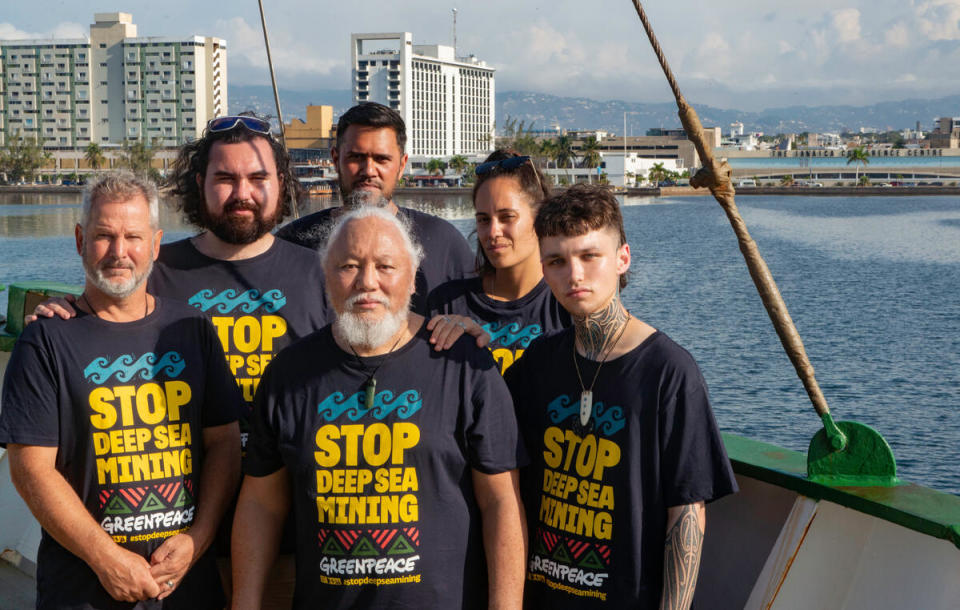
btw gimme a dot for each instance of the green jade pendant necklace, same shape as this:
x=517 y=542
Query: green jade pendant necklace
x=370 y=385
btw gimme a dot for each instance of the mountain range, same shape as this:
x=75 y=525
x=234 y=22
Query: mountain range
x=542 y=111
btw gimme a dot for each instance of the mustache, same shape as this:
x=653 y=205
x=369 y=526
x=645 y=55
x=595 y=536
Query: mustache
x=117 y=264
x=238 y=205
x=351 y=301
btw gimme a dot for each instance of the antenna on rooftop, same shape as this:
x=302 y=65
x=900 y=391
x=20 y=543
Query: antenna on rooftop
x=454 y=33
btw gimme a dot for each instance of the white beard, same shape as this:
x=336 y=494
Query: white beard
x=116 y=290
x=353 y=329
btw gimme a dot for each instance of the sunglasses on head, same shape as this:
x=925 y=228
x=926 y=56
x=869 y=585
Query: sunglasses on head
x=505 y=164
x=226 y=123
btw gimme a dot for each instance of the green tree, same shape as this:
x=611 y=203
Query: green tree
x=22 y=157
x=458 y=163
x=564 y=151
x=786 y=181
x=591 y=153
x=94 y=156
x=548 y=150
x=436 y=166
x=859 y=156
x=137 y=156
x=657 y=174
x=864 y=180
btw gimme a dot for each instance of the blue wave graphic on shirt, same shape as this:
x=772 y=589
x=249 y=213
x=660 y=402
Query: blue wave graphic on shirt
x=384 y=403
x=608 y=420
x=512 y=333
x=230 y=299
x=127 y=367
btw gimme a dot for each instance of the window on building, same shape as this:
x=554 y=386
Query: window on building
x=103 y=45
x=28 y=122
x=103 y=64
x=83 y=130
x=81 y=57
x=132 y=94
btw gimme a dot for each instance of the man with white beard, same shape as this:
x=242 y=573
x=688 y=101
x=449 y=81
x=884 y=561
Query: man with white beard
x=399 y=461
x=120 y=425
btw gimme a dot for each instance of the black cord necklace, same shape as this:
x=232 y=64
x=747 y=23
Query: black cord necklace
x=370 y=385
x=146 y=305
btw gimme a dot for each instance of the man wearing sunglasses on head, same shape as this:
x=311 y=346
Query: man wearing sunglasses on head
x=261 y=293
x=369 y=155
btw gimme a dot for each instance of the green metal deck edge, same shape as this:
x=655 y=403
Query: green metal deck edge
x=919 y=508
x=16 y=301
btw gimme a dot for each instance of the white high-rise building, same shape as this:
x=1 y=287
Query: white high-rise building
x=112 y=87
x=447 y=102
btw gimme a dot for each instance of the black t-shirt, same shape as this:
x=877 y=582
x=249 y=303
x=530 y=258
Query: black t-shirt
x=511 y=325
x=447 y=255
x=597 y=504
x=258 y=305
x=383 y=497
x=125 y=404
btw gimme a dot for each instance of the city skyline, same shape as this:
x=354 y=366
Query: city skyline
x=739 y=54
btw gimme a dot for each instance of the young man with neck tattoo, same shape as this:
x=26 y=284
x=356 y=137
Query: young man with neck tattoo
x=624 y=447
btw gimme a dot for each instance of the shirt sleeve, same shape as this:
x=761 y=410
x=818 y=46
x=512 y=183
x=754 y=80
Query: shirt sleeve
x=694 y=464
x=223 y=402
x=30 y=413
x=493 y=437
x=262 y=455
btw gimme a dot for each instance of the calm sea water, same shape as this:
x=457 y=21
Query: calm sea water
x=873 y=284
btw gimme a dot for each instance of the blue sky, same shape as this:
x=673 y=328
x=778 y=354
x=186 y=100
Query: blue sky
x=747 y=54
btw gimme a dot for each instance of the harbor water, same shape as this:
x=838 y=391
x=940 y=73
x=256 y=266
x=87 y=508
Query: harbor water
x=872 y=283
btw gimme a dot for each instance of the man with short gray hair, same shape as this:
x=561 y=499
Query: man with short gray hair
x=120 y=425
x=399 y=461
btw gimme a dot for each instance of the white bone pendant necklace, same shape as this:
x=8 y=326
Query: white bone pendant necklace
x=586 y=394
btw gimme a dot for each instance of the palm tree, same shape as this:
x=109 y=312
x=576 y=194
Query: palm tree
x=436 y=166
x=658 y=173
x=591 y=153
x=458 y=163
x=859 y=156
x=94 y=156
x=564 y=151
x=786 y=181
x=548 y=150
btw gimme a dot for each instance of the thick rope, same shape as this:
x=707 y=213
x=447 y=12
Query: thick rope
x=716 y=176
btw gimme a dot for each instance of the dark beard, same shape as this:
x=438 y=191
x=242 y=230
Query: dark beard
x=239 y=231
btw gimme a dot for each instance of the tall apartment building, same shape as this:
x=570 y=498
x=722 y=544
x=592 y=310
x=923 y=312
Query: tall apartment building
x=446 y=101
x=111 y=87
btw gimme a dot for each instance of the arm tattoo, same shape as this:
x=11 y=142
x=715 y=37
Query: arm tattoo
x=596 y=331
x=681 y=560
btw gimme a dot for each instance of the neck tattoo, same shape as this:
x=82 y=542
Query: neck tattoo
x=586 y=394
x=370 y=385
x=595 y=331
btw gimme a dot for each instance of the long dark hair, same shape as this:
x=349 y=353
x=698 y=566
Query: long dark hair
x=192 y=161
x=532 y=182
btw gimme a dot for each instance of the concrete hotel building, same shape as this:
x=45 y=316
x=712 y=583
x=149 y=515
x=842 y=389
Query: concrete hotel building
x=446 y=101
x=111 y=87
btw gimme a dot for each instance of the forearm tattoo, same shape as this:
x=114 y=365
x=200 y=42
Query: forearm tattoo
x=596 y=331
x=681 y=560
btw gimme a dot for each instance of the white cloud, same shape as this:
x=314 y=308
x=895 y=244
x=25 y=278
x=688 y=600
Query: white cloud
x=897 y=36
x=8 y=31
x=939 y=19
x=245 y=43
x=846 y=24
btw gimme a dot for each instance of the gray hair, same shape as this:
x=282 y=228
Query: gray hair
x=120 y=185
x=402 y=224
